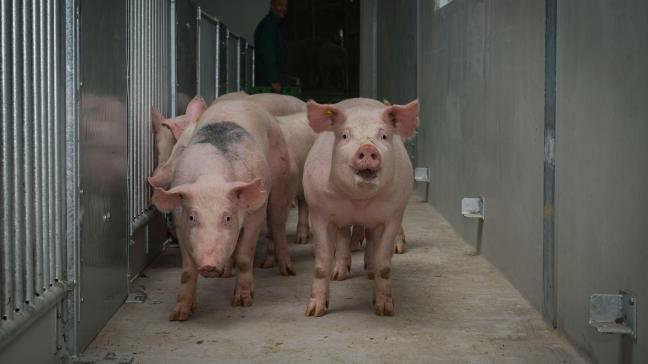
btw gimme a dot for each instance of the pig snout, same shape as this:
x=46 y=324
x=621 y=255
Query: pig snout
x=367 y=161
x=210 y=271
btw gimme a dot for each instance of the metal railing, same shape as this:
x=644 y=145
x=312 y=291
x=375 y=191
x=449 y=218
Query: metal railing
x=149 y=85
x=33 y=219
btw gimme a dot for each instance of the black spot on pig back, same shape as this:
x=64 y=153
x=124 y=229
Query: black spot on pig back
x=223 y=136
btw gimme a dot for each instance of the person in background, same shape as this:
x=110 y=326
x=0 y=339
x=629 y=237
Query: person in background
x=270 y=47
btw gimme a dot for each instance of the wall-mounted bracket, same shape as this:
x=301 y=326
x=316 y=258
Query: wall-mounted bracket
x=473 y=207
x=422 y=174
x=614 y=313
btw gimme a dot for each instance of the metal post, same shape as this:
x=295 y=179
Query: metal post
x=548 y=231
x=38 y=163
x=43 y=142
x=28 y=128
x=50 y=139
x=7 y=253
x=18 y=139
x=58 y=196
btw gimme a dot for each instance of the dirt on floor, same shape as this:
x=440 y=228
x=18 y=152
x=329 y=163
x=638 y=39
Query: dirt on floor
x=452 y=306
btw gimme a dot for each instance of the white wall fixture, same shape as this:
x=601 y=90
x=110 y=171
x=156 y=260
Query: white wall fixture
x=614 y=313
x=473 y=207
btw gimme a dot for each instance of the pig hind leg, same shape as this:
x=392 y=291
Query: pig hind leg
x=357 y=238
x=277 y=216
x=302 y=222
x=342 y=254
x=399 y=246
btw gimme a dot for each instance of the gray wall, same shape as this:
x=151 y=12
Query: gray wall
x=602 y=167
x=481 y=67
x=241 y=17
x=482 y=115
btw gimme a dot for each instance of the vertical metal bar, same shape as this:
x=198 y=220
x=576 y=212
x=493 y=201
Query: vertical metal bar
x=129 y=107
x=138 y=93
x=43 y=142
x=18 y=165
x=71 y=164
x=198 y=31
x=58 y=196
x=50 y=139
x=28 y=128
x=7 y=224
x=548 y=228
x=218 y=60
x=172 y=54
x=38 y=163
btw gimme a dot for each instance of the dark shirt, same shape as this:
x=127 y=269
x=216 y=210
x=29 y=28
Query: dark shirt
x=269 y=51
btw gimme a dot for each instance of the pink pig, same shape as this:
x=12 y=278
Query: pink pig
x=235 y=167
x=357 y=173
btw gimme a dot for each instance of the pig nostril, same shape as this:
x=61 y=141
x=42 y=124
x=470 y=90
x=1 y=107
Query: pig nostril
x=361 y=156
x=374 y=156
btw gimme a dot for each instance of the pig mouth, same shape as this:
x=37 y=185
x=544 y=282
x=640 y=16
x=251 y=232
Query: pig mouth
x=213 y=274
x=367 y=173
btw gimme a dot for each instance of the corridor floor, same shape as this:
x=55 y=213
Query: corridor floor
x=451 y=307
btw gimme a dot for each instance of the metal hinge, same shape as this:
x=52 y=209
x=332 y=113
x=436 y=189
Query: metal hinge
x=614 y=313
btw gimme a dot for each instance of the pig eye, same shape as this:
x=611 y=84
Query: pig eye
x=384 y=137
x=193 y=219
x=345 y=136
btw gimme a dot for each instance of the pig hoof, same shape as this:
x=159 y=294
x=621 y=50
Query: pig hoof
x=287 y=270
x=302 y=238
x=384 y=306
x=242 y=298
x=399 y=247
x=340 y=273
x=316 y=308
x=181 y=313
x=356 y=246
x=267 y=263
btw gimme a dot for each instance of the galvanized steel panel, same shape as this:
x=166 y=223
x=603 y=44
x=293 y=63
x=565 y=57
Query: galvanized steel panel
x=207 y=29
x=32 y=159
x=103 y=167
x=233 y=55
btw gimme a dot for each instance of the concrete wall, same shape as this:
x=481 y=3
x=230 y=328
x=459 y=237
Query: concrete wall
x=481 y=88
x=368 y=48
x=602 y=167
x=241 y=17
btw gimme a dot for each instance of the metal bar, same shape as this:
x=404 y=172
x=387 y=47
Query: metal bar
x=142 y=220
x=548 y=228
x=43 y=142
x=218 y=60
x=18 y=182
x=71 y=177
x=7 y=253
x=172 y=54
x=58 y=196
x=129 y=106
x=50 y=139
x=198 y=73
x=9 y=330
x=38 y=164
x=28 y=127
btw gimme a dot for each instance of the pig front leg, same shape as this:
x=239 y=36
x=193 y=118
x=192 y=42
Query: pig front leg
x=342 y=254
x=324 y=235
x=302 y=222
x=186 y=304
x=399 y=247
x=357 y=238
x=244 y=255
x=370 y=246
x=384 y=249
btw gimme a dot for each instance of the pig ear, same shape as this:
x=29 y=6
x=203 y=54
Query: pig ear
x=249 y=195
x=176 y=127
x=167 y=201
x=195 y=109
x=322 y=117
x=404 y=118
x=163 y=175
x=156 y=119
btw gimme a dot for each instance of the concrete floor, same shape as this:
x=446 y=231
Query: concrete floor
x=451 y=307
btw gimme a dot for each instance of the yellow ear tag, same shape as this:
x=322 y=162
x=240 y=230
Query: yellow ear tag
x=328 y=112
x=196 y=121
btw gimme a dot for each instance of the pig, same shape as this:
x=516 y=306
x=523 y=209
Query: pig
x=275 y=104
x=358 y=236
x=299 y=137
x=234 y=171
x=357 y=173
